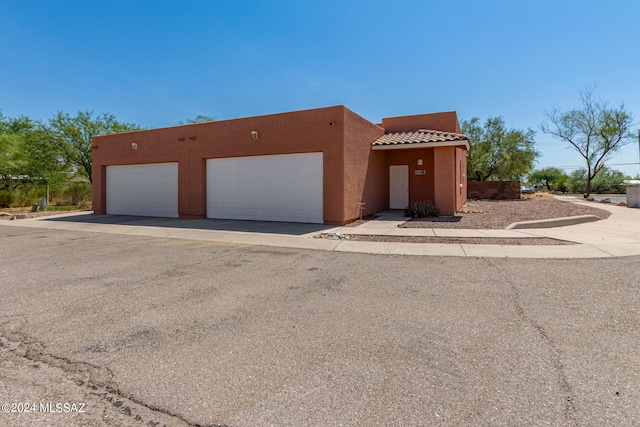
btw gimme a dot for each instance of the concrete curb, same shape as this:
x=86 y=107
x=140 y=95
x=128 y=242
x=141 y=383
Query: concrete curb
x=553 y=222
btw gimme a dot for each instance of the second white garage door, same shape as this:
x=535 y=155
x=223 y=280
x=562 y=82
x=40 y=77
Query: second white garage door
x=269 y=188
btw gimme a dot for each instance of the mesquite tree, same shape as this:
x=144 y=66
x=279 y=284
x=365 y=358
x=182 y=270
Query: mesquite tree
x=594 y=130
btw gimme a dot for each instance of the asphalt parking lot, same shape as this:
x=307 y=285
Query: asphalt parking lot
x=156 y=331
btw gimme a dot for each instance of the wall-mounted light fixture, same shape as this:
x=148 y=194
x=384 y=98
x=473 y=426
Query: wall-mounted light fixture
x=181 y=138
x=192 y=138
x=419 y=162
x=134 y=145
x=254 y=135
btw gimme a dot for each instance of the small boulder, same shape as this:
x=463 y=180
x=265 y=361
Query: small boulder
x=5 y=214
x=623 y=204
x=18 y=216
x=590 y=199
x=605 y=200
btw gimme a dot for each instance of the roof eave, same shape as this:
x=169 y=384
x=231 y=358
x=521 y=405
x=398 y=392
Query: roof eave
x=464 y=143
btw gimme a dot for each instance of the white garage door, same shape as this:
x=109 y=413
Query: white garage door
x=269 y=188
x=147 y=190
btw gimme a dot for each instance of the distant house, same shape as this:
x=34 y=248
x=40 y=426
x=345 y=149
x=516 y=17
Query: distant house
x=315 y=166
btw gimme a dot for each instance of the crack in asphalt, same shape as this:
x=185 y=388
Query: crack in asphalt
x=569 y=411
x=555 y=357
x=98 y=381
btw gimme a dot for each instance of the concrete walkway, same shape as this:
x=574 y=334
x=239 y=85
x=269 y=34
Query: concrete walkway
x=617 y=236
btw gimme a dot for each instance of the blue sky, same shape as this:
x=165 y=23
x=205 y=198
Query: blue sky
x=156 y=63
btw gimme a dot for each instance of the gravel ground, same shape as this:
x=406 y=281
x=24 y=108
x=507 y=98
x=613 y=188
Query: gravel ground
x=7 y=213
x=497 y=214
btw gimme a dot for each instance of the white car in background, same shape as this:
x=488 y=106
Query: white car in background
x=526 y=190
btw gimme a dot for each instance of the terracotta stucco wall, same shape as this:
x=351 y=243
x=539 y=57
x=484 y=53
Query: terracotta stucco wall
x=319 y=130
x=421 y=187
x=461 y=177
x=446 y=122
x=376 y=188
x=352 y=171
x=444 y=165
x=364 y=169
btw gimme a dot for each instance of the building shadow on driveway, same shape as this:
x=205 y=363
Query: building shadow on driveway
x=266 y=227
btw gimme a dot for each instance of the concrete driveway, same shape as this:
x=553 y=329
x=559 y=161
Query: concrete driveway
x=147 y=330
x=229 y=225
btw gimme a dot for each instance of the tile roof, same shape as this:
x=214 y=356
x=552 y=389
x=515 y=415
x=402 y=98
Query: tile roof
x=420 y=136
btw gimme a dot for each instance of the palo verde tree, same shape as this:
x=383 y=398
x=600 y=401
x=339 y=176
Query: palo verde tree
x=73 y=135
x=498 y=153
x=594 y=130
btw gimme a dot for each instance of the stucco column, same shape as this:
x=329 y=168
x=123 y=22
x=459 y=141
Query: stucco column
x=444 y=180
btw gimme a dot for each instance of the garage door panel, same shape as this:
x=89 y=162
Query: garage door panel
x=269 y=188
x=145 y=190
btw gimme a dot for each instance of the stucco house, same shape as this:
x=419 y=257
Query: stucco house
x=315 y=166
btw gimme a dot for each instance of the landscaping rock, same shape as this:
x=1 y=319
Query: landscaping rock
x=18 y=216
x=605 y=200
x=5 y=214
x=333 y=236
x=590 y=199
x=623 y=204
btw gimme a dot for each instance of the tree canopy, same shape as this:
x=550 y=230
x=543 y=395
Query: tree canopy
x=73 y=134
x=607 y=181
x=498 y=153
x=594 y=130
x=547 y=177
x=198 y=119
x=28 y=153
x=34 y=152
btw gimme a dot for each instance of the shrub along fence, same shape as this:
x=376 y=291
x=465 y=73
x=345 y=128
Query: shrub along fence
x=66 y=194
x=497 y=190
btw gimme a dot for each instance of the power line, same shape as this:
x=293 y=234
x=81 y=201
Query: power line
x=624 y=164
x=607 y=164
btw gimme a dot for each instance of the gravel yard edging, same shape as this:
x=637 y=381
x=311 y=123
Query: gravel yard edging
x=503 y=241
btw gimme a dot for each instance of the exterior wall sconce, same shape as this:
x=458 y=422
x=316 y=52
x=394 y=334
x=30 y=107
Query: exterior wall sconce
x=134 y=145
x=419 y=162
x=192 y=138
x=254 y=135
x=181 y=138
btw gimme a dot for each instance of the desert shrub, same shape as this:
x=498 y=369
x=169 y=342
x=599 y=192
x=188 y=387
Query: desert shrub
x=421 y=209
x=6 y=198
x=26 y=196
x=562 y=184
x=606 y=181
x=77 y=193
